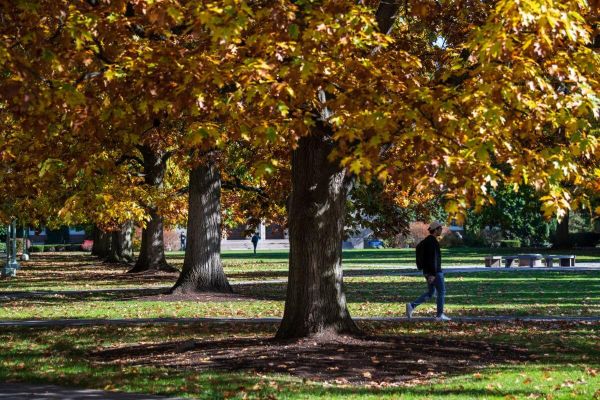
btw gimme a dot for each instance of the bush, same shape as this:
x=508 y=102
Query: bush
x=513 y=243
x=87 y=245
x=584 y=239
x=49 y=248
x=36 y=248
x=2 y=247
x=451 y=239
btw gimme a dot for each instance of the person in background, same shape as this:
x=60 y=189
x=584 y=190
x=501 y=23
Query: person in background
x=254 y=240
x=429 y=257
x=182 y=238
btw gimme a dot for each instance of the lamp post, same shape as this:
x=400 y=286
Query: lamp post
x=7 y=243
x=25 y=254
x=11 y=266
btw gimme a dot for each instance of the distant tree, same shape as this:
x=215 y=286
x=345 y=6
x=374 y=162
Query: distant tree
x=517 y=214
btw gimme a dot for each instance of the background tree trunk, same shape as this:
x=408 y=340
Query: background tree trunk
x=202 y=268
x=102 y=243
x=315 y=303
x=120 y=247
x=561 y=237
x=152 y=251
x=125 y=242
x=96 y=240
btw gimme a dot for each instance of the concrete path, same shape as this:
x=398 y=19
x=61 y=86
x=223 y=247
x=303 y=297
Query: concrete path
x=18 y=391
x=45 y=323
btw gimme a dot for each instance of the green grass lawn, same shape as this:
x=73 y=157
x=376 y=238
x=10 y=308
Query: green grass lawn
x=383 y=257
x=370 y=292
x=563 y=363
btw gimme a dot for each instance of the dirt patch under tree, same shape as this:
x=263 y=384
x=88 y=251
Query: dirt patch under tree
x=374 y=360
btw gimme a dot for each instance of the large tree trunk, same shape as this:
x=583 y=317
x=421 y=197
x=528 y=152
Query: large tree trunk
x=121 y=249
x=102 y=243
x=96 y=241
x=315 y=303
x=152 y=251
x=202 y=268
x=561 y=237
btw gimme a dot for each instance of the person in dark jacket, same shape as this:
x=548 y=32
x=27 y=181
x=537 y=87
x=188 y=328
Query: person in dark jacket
x=254 y=240
x=431 y=260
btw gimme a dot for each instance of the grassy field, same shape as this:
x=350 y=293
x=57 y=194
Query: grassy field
x=562 y=362
x=106 y=291
x=216 y=361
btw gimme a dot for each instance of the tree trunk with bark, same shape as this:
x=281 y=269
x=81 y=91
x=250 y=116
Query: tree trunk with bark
x=202 y=268
x=561 y=237
x=315 y=302
x=102 y=243
x=152 y=251
x=121 y=249
x=96 y=240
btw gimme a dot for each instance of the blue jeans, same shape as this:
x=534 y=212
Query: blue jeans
x=437 y=285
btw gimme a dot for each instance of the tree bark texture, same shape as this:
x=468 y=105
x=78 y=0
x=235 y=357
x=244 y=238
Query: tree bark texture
x=96 y=241
x=152 y=251
x=315 y=302
x=202 y=268
x=102 y=243
x=561 y=237
x=121 y=249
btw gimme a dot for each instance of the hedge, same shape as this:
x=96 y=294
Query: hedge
x=514 y=243
x=38 y=248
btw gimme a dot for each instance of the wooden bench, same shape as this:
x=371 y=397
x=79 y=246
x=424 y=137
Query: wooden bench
x=493 y=261
x=531 y=260
x=563 y=260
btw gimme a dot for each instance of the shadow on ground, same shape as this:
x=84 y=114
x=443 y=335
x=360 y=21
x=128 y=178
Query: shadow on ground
x=343 y=360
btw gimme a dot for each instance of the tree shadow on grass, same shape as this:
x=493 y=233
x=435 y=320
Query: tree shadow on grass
x=343 y=360
x=466 y=293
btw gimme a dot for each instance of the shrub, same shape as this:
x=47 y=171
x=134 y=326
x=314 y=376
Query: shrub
x=36 y=248
x=2 y=247
x=49 y=248
x=513 y=243
x=584 y=239
x=451 y=239
x=87 y=245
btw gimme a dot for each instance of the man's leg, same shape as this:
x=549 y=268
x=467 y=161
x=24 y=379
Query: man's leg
x=425 y=296
x=440 y=287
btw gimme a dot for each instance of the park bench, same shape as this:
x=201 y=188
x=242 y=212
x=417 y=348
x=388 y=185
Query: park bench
x=530 y=260
x=563 y=260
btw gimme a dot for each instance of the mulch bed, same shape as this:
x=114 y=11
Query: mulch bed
x=371 y=360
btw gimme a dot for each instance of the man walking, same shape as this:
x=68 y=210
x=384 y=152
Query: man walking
x=254 y=240
x=429 y=259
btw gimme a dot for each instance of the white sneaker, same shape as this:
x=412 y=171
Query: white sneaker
x=443 y=317
x=409 y=310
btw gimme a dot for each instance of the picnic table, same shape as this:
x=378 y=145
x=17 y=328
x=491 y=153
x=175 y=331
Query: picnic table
x=530 y=260
x=563 y=260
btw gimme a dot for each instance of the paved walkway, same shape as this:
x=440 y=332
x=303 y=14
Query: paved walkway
x=46 y=323
x=18 y=391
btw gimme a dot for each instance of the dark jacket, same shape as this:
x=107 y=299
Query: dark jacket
x=432 y=256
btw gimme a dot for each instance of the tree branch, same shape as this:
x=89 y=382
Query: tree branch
x=124 y=158
x=237 y=184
